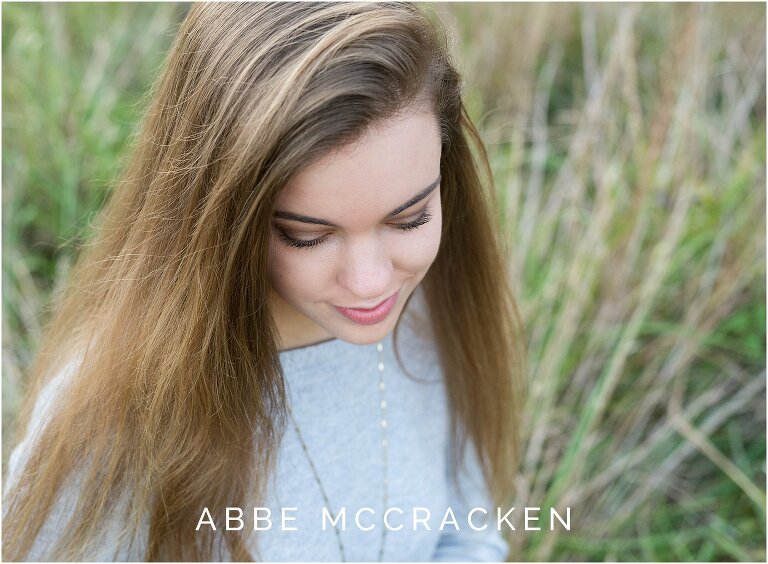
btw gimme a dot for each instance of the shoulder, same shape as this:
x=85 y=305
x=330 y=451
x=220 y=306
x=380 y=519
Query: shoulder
x=47 y=399
x=112 y=544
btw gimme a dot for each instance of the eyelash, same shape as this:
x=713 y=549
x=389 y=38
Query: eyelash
x=418 y=222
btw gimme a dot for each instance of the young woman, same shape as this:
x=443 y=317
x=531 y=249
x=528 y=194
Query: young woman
x=292 y=337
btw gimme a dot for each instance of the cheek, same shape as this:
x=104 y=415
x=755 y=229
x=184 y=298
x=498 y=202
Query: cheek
x=276 y=262
x=417 y=251
x=293 y=272
x=283 y=268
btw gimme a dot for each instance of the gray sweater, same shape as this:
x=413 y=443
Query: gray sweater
x=333 y=389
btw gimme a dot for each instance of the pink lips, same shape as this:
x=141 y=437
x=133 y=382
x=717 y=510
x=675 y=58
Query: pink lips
x=370 y=316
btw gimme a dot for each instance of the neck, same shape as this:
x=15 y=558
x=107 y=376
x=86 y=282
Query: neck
x=293 y=327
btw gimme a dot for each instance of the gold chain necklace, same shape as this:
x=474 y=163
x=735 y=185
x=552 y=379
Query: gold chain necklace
x=384 y=453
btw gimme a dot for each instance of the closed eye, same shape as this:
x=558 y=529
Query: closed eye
x=300 y=243
x=421 y=220
x=425 y=217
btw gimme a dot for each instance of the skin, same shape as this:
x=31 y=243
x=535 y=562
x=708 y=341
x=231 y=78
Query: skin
x=365 y=259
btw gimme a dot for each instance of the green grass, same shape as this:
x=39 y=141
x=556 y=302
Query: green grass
x=628 y=148
x=74 y=83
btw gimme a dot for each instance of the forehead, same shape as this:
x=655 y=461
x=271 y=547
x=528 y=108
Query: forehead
x=388 y=165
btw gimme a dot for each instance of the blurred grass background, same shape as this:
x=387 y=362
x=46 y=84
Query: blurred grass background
x=628 y=146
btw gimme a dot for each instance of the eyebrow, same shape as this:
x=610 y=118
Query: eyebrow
x=280 y=214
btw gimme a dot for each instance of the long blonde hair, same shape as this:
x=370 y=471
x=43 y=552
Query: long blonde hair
x=179 y=397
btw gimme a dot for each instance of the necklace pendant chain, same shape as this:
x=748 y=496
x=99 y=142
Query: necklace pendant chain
x=384 y=448
x=384 y=455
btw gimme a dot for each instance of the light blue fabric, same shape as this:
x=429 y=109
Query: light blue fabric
x=334 y=392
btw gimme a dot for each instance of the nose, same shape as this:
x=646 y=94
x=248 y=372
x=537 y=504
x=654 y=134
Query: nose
x=366 y=270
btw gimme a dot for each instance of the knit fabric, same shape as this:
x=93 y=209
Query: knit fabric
x=333 y=388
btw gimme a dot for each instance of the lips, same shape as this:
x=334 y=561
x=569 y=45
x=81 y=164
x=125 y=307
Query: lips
x=370 y=316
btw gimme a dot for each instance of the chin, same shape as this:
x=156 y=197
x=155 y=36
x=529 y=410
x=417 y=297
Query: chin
x=361 y=340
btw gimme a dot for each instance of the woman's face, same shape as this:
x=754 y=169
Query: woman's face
x=357 y=229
